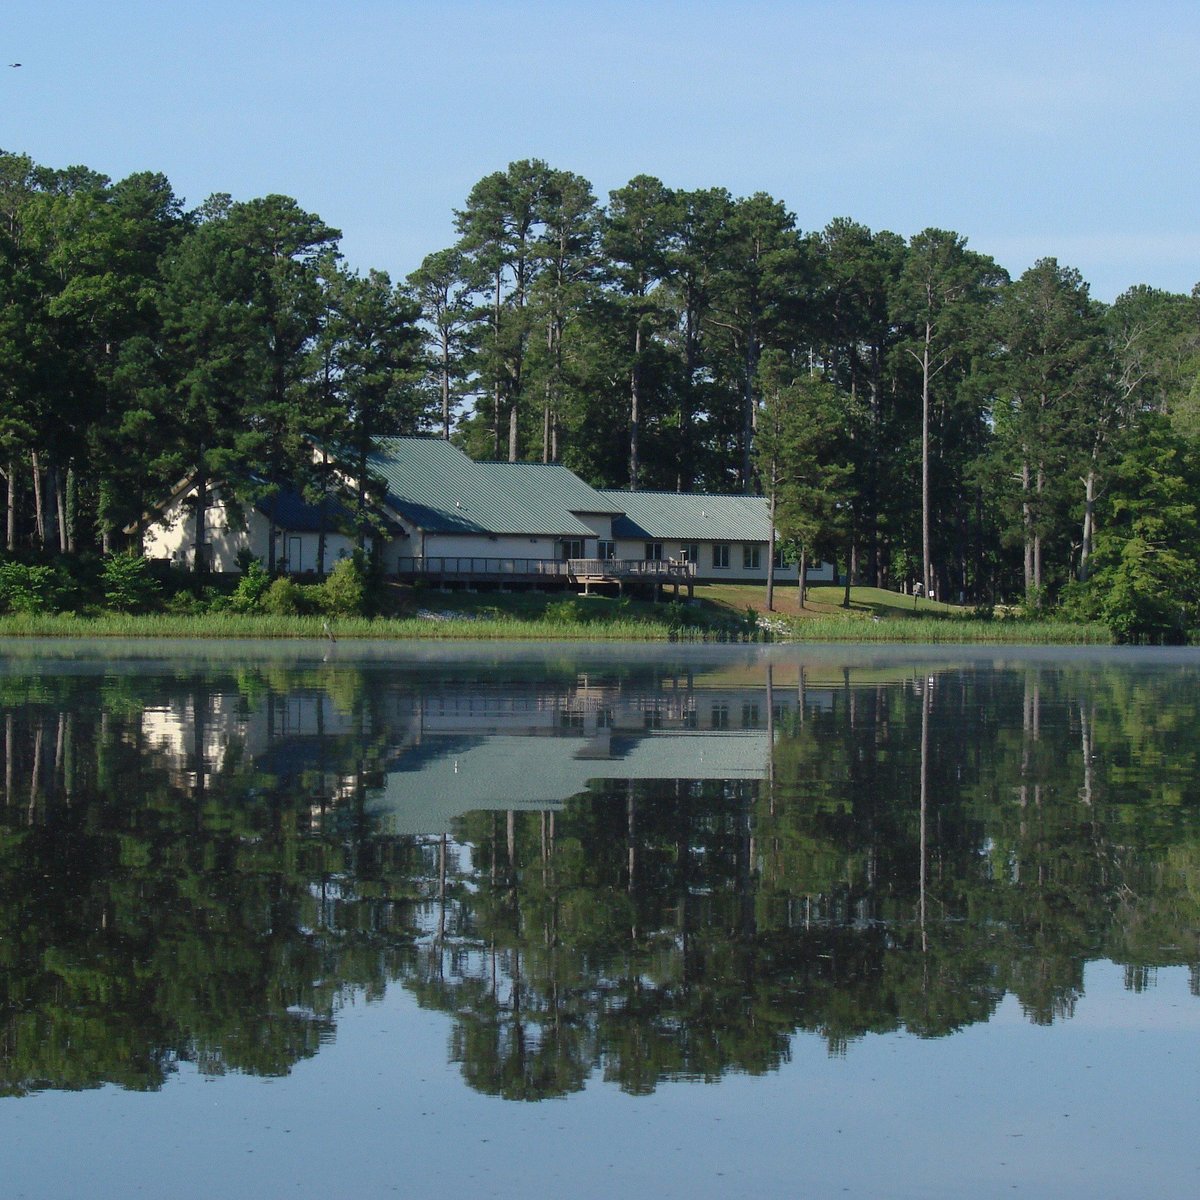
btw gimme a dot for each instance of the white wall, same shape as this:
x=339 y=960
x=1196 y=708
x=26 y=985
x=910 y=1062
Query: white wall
x=736 y=572
x=444 y=545
x=172 y=537
x=599 y=523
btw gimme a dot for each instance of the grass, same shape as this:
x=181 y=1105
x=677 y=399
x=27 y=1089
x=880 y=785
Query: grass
x=462 y=626
x=720 y=612
x=877 y=615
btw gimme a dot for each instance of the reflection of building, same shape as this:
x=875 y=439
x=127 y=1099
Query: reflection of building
x=474 y=751
x=447 y=777
x=422 y=753
x=197 y=733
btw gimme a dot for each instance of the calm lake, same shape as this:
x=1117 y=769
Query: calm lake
x=360 y=920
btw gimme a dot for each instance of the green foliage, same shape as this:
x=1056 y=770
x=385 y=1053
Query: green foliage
x=564 y=612
x=283 y=598
x=26 y=588
x=183 y=604
x=128 y=585
x=251 y=588
x=141 y=345
x=344 y=592
x=1148 y=546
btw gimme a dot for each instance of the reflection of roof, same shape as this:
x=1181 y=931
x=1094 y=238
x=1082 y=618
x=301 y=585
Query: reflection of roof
x=439 y=488
x=424 y=795
x=686 y=517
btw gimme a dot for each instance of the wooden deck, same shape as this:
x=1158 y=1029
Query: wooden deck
x=573 y=571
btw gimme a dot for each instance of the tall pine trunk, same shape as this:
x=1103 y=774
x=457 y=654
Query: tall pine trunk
x=11 y=521
x=749 y=412
x=72 y=508
x=39 y=513
x=199 y=546
x=771 y=549
x=635 y=408
x=1027 y=527
x=926 y=564
x=60 y=500
x=1089 y=524
x=445 y=388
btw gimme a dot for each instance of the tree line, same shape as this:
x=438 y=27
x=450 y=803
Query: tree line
x=912 y=411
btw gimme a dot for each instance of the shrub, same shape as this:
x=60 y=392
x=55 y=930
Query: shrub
x=29 y=589
x=214 y=599
x=251 y=588
x=344 y=593
x=127 y=583
x=283 y=598
x=564 y=612
x=184 y=604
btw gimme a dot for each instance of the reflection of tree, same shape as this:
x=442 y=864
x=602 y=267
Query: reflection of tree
x=914 y=851
x=152 y=914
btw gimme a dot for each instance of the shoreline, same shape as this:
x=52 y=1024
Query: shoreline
x=926 y=630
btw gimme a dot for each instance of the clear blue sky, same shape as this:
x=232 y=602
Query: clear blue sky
x=1067 y=129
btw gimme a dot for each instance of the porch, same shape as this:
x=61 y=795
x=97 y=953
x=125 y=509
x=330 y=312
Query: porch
x=570 y=572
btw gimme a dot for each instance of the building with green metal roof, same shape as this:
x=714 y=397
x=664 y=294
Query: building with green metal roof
x=726 y=537
x=451 y=518
x=454 y=508
x=463 y=518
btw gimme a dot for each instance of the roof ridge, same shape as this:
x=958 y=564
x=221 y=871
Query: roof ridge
x=663 y=492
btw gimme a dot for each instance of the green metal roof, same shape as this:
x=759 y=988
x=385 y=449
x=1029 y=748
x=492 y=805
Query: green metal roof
x=441 y=490
x=690 y=517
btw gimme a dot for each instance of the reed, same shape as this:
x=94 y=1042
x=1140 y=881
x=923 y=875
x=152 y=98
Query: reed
x=954 y=629
x=551 y=627
x=241 y=625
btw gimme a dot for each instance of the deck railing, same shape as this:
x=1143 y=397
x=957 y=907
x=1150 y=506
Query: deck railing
x=464 y=568
x=631 y=568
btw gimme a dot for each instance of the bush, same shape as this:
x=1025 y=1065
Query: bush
x=184 y=604
x=215 y=600
x=283 y=598
x=127 y=583
x=564 y=612
x=251 y=588
x=29 y=589
x=344 y=593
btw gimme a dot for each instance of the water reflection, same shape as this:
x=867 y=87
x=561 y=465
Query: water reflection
x=644 y=870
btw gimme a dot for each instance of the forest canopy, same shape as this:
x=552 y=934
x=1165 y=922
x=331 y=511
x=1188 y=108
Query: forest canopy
x=928 y=419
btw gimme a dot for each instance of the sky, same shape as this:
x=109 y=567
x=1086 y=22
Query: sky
x=1059 y=128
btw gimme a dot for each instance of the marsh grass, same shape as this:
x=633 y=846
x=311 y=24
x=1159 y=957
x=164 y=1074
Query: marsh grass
x=245 y=625
x=949 y=629
x=560 y=625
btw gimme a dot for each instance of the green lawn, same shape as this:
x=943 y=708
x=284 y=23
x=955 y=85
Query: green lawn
x=824 y=601
x=719 y=612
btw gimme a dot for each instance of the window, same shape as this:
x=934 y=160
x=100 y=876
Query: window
x=654 y=551
x=751 y=557
x=606 y=551
x=719 y=716
x=780 y=558
x=721 y=556
x=572 y=547
x=690 y=552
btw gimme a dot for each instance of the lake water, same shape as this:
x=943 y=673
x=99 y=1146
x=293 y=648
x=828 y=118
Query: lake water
x=358 y=920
